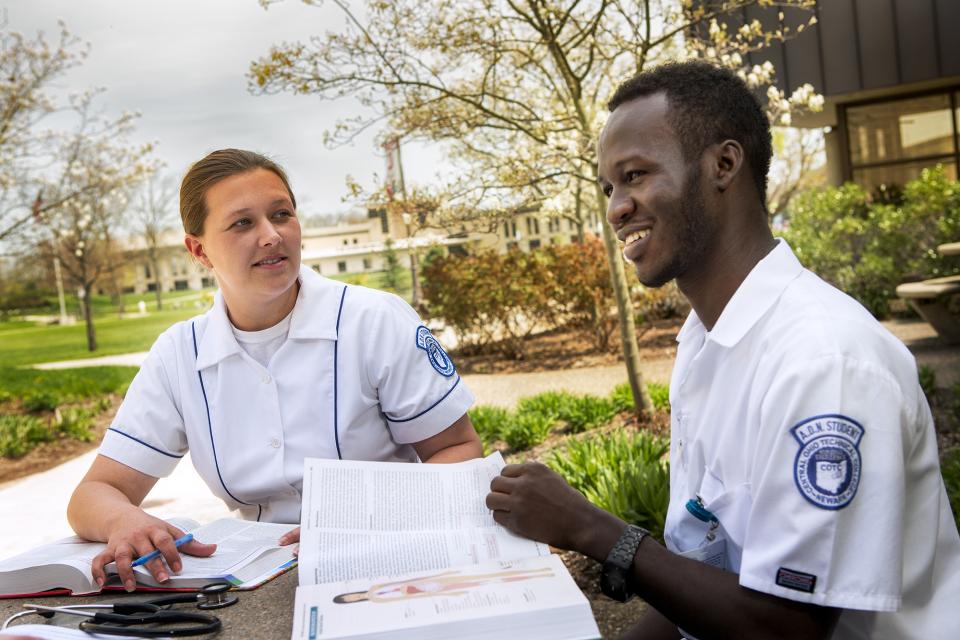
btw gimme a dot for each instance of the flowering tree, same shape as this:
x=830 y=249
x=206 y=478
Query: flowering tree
x=153 y=215
x=90 y=196
x=517 y=88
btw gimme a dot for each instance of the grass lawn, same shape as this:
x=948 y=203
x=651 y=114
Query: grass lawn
x=64 y=385
x=20 y=345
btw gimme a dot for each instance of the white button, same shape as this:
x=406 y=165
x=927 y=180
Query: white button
x=266 y=379
x=274 y=443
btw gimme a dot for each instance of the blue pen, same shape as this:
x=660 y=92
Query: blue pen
x=153 y=555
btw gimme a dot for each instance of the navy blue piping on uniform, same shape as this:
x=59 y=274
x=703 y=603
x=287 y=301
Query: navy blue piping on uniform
x=193 y=330
x=336 y=431
x=170 y=455
x=389 y=419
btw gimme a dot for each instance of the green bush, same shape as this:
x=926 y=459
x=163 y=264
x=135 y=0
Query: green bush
x=489 y=422
x=867 y=248
x=77 y=423
x=588 y=412
x=950 y=468
x=928 y=380
x=659 y=395
x=552 y=405
x=622 y=396
x=40 y=401
x=21 y=433
x=625 y=473
x=526 y=430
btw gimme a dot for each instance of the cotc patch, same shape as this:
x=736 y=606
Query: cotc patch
x=438 y=358
x=827 y=468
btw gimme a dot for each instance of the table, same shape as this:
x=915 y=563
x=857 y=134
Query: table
x=949 y=249
x=265 y=613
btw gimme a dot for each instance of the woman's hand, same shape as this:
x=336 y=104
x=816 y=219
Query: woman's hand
x=137 y=535
x=289 y=538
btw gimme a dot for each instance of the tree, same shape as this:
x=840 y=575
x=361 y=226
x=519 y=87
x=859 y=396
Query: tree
x=153 y=217
x=516 y=87
x=391 y=267
x=798 y=165
x=29 y=67
x=94 y=176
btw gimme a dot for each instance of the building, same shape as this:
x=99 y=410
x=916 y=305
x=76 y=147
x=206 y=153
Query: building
x=889 y=71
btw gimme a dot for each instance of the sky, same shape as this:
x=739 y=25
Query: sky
x=182 y=65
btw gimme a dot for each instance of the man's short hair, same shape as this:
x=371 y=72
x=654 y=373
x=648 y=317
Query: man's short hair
x=707 y=105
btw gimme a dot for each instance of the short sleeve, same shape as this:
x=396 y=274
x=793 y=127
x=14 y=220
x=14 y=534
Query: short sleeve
x=828 y=486
x=420 y=391
x=148 y=433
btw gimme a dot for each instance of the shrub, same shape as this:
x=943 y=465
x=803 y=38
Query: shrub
x=526 y=430
x=867 y=248
x=489 y=422
x=588 y=412
x=582 y=290
x=21 y=433
x=625 y=473
x=622 y=396
x=552 y=405
x=40 y=401
x=928 y=380
x=658 y=303
x=659 y=395
x=950 y=468
x=76 y=423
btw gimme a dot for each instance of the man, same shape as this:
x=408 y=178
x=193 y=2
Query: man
x=805 y=495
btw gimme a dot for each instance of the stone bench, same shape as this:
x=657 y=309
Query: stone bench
x=938 y=302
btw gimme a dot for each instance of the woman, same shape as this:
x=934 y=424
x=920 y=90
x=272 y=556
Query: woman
x=286 y=365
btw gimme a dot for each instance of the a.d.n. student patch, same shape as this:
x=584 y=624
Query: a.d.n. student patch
x=827 y=466
x=438 y=358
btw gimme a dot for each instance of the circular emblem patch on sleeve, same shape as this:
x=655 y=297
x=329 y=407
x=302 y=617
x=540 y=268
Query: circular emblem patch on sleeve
x=827 y=467
x=438 y=358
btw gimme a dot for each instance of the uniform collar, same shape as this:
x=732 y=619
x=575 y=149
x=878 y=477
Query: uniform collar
x=752 y=299
x=314 y=317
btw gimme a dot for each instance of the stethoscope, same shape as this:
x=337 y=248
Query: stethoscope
x=145 y=619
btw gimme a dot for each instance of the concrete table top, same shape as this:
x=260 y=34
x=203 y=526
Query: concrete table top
x=265 y=613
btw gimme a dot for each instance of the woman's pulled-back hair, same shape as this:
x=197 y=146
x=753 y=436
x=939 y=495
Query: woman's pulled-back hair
x=212 y=169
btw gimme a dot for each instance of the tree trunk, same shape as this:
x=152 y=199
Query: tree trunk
x=414 y=280
x=628 y=329
x=88 y=318
x=158 y=285
x=579 y=213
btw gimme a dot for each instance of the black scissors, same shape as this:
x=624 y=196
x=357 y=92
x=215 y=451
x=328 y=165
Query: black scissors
x=149 y=618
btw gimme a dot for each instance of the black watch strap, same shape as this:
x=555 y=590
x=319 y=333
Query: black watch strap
x=617 y=568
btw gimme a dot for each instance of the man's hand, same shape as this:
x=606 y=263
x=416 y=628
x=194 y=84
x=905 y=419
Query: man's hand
x=138 y=535
x=536 y=502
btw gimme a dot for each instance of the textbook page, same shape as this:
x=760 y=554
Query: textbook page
x=532 y=598
x=246 y=551
x=364 y=519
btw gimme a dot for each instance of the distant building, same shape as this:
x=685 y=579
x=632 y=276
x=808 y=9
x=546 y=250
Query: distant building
x=341 y=250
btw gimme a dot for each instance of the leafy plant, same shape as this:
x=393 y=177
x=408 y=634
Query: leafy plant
x=21 y=433
x=526 y=430
x=659 y=395
x=622 y=396
x=552 y=405
x=489 y=422
x=76 y=423
x=588 y=412
x=38 y=401
x=950 y=469
x=928 y=380
x=625 y=473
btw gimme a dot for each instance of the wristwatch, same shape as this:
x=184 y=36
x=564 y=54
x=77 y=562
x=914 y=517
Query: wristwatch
x=614 y=578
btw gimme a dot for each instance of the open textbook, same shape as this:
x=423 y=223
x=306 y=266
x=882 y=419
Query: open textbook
x=420 y=538
x=247 y=555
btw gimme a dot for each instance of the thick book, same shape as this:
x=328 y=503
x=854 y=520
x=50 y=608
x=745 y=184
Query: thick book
x=247 y=556
x=395 y=550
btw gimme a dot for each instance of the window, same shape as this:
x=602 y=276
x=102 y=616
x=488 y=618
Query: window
x=207 y=282
x=342 y=266
x=316 y=268
x=506 y=231
x=146 y=271
x=180 y=285
x=891 y=142
x=367 y=264
x=533 y=226
x=534 y=244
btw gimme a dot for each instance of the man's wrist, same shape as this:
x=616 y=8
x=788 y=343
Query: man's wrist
x=599 y=534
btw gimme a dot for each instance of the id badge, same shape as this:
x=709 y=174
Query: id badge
x=712 y=553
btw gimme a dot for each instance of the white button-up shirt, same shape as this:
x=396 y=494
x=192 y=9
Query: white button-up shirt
x=800 y=422
x=359 y=377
